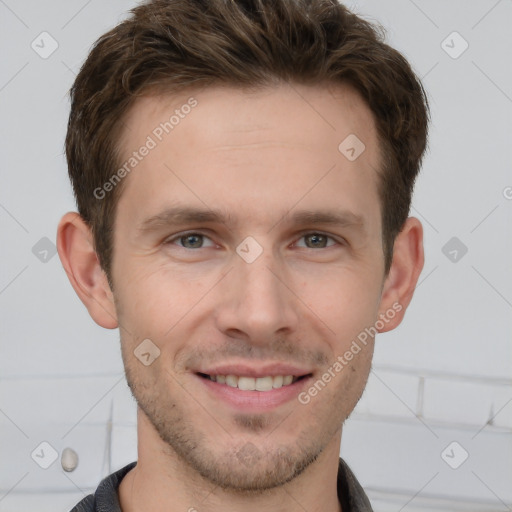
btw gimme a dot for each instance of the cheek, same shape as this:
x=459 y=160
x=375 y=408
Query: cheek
x=149 y=289
x=346 y=301
x=158 y=304
x=337 y=390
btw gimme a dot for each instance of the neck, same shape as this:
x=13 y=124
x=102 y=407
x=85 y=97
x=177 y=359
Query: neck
x=163 y=481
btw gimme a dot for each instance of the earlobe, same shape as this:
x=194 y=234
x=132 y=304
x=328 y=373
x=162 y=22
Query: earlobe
x=76 y=251
x=406 y=267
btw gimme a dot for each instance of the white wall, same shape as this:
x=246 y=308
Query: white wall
x=445 y=375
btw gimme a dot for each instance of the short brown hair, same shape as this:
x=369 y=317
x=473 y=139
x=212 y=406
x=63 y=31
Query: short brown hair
x=168 y=46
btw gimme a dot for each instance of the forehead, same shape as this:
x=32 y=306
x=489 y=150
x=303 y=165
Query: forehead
x=270 y=146
x=293 y=109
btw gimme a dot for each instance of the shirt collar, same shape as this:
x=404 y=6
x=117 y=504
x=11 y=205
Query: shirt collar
x=350 y=493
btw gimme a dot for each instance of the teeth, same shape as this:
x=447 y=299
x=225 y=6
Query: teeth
x=287 y=380
x=252 y=383
x=278 y=381
x=263 y=384
x=231 y=380
x=246 y=383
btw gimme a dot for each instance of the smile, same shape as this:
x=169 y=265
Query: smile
x=256 y=393
x=267 y=383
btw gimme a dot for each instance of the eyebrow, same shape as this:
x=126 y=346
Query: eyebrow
x=328 y=217
x=188 y=215
x=183 y=215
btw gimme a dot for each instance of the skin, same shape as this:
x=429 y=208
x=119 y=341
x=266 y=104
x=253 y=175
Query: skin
x=260 y=157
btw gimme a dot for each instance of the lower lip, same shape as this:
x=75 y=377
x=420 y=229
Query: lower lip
x=254 y=401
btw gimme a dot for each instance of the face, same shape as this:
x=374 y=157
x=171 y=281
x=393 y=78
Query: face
x=248 y=249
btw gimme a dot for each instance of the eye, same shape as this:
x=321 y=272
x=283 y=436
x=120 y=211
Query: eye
x=190 y=240
x=317 y=240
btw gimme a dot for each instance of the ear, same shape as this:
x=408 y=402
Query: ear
x=75 y=245
x=406 y=267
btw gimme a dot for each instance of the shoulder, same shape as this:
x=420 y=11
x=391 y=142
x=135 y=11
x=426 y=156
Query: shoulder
x=350 y=491
x=86 y=505
x=105 y=499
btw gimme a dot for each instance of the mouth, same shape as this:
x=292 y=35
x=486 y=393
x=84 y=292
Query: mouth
x=253 y=390
x=263 y=384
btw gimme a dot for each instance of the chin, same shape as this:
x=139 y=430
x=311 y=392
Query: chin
x=249 y=469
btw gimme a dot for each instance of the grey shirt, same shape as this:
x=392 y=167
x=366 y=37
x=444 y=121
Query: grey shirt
x=350 y=493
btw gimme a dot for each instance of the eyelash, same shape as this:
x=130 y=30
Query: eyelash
x=169 y=241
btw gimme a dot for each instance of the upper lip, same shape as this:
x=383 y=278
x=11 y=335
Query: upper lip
x=264 y=370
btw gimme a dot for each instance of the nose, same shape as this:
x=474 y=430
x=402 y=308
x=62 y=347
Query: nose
x=257 y=301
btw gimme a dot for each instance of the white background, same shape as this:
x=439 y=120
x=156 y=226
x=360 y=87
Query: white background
x=445 y=375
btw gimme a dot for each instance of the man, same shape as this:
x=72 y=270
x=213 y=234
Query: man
x=243 y=172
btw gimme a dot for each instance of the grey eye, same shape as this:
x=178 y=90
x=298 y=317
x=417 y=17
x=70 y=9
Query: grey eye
x=192 y=241
x=317 y=240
